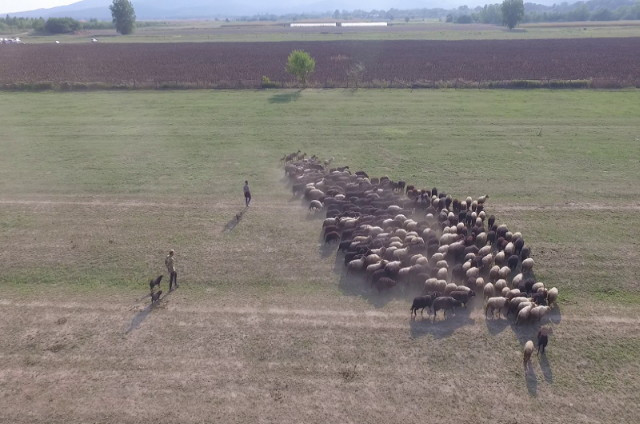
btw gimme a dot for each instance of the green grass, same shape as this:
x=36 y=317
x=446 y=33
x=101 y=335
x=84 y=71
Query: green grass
x=183 y=156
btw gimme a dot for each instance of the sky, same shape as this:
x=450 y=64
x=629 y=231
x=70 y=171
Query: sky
x=8 y=6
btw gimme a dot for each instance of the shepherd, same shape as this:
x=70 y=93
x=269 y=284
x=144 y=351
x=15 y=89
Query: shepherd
x=170 y=262
x=247 y=194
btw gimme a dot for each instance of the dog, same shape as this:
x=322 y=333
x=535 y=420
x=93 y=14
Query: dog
x=155 y=296
x=155 y=282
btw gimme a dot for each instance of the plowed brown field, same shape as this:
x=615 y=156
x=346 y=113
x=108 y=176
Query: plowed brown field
x=611 y=62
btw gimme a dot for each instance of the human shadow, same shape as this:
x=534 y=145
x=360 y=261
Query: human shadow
x=285 y=97
x=235 y=220
x=139 y=318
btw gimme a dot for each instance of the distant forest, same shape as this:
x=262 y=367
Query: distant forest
x=592 y=10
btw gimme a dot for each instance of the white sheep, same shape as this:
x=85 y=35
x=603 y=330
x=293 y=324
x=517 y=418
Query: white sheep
x=494 y=303
x=527 y=265
x=528 y=350
x=489 y=290
x=552 y=296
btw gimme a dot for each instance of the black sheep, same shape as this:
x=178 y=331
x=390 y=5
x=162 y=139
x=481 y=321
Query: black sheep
x=543 y=340
x=155 y=296
x=462 y=296
x=421 y=302
x=384 y=283
x=444 y=303
x=512 y=262
x=491 y=221
x=331 y=237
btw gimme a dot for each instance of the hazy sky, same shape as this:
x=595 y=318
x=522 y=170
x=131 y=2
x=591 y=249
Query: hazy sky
x=8 y=6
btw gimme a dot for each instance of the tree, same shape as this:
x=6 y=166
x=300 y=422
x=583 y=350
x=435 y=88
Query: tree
x=300 y=64
x=61 y=25
x=512 y=12
x=123 y=16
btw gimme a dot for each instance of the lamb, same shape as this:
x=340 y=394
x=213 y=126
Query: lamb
x=444 y=303
x=421 y=302
x=494 y=303
x=528 y=350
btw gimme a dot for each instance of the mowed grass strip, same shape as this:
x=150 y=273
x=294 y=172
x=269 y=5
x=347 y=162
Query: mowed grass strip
x=97 y=186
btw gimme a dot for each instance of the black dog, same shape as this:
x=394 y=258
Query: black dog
x=155 y=282
x=155 y=296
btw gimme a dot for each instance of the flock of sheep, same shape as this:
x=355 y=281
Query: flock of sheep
x=395 y=234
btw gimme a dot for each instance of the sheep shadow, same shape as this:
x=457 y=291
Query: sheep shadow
x=139 y=318
x=235 y=220
x=285 y=97
x=546 y=368
x=532 y=380
x=356 y=285
x=328 y=249
x=496 y=325
x=441 y=327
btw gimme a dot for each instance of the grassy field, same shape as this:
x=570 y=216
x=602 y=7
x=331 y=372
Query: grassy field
x=96 y=187
x=216 y=31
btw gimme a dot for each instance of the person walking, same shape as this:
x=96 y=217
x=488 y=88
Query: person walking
x=247 y=193
x=170 y=262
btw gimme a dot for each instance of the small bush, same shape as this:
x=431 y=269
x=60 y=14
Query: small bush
x=267 y=83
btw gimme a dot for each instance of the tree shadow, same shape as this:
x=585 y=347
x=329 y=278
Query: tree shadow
x=285 y=97
x=235 y=220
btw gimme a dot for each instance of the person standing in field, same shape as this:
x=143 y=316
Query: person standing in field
x=247 y=193
x=170 y=262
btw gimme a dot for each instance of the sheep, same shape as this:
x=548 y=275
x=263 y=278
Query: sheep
x=462 y=296
x=384 y=283
x=538 y=312
x=504 y=272
x=552 y=296
x=528 y=350
x=527 y=265
x=356 y=264
x=488 y=290
x=499 y=258
x=421 y=302
x=501 y=284
x=523 y=314
x=450 y=288
x=515 y=282
x=512 y=262
x=442 y=273
x=331 y=237
x=543 y=339
x=494 y=303
x=493 y=273
x=479 y=283
x=315 y=205
x=444 y=303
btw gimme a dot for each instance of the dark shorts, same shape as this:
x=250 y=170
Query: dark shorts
x=247 y=195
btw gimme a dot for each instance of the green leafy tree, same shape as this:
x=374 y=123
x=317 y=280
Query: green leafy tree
x=512 y=12
x=124 y=17
x=300 y=64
